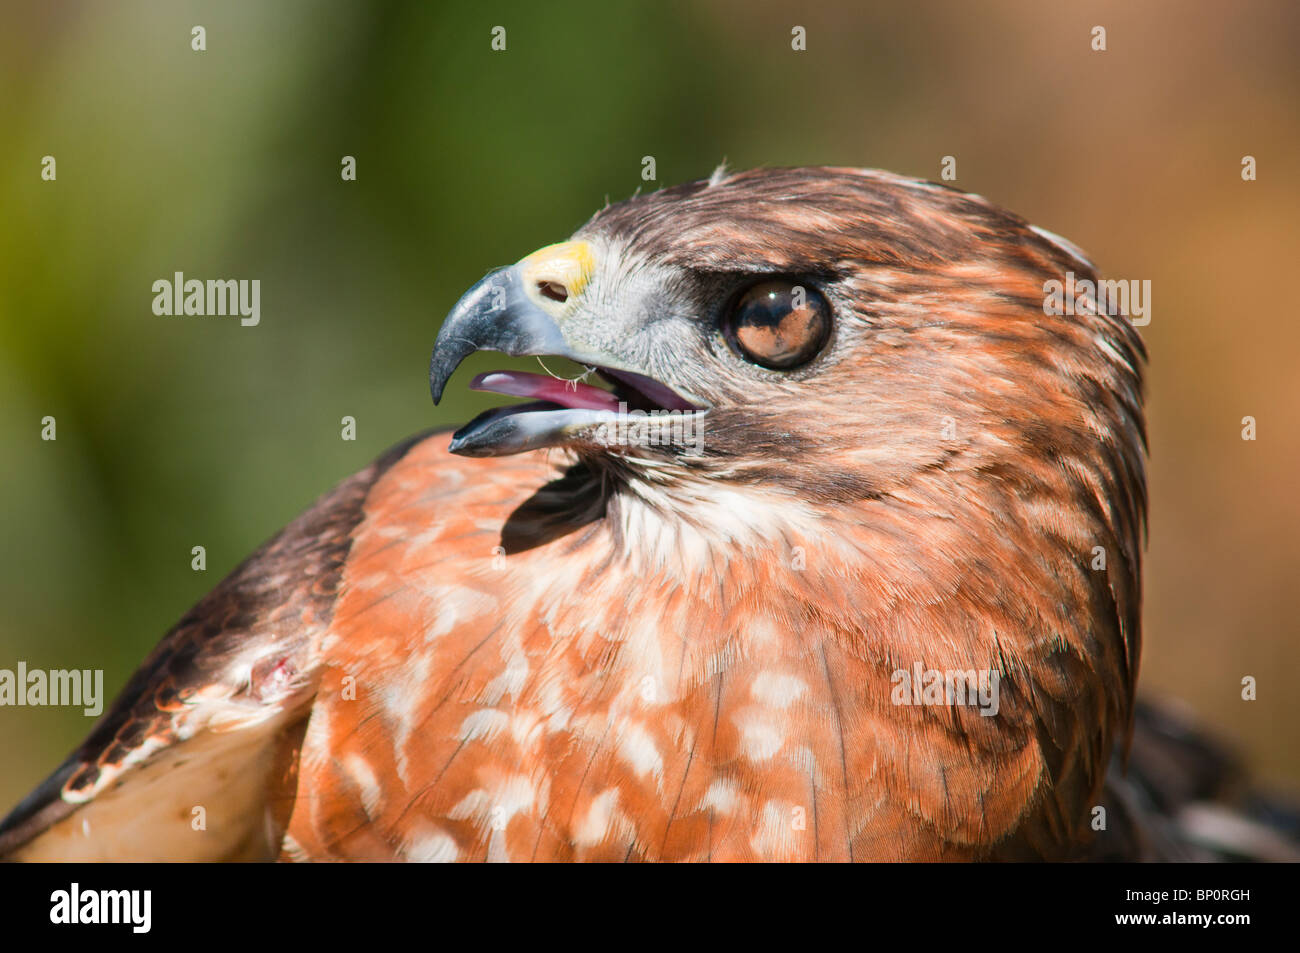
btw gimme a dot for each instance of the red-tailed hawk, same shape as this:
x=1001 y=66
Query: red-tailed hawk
x=833 y=555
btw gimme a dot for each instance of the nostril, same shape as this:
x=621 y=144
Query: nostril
x=553 y=290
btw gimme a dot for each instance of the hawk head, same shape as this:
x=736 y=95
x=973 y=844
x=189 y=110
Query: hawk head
x=836 y=332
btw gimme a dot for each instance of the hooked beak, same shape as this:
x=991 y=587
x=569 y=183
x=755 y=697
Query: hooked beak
x=518 y=311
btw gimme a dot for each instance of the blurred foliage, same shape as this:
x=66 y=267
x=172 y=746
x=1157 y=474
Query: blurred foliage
x=174 y=432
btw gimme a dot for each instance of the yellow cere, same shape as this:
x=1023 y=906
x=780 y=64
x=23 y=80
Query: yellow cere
x=567 y=264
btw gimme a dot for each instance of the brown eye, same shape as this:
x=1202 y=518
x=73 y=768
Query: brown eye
x=778 y=324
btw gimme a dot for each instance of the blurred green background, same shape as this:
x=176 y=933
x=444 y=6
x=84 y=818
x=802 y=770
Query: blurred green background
x=175 y=432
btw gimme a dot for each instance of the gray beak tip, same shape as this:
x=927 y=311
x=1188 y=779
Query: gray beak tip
x=494 y=315
x=437 y=379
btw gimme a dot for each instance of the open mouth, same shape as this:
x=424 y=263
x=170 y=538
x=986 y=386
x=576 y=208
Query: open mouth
x=506 y=312
x=559 y=406
x=627 y=390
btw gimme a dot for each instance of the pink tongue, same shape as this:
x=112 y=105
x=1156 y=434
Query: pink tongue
x=574 y=394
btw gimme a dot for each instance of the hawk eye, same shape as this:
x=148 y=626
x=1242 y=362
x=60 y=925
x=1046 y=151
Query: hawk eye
x=778 y=324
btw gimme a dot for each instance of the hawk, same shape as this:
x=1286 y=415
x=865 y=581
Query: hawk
x=832 y=554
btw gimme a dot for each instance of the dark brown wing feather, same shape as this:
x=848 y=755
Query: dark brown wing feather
x=1183 y=796
x=239 y=665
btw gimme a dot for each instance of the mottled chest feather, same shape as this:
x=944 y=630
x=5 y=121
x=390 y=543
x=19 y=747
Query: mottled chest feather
x=567 y=700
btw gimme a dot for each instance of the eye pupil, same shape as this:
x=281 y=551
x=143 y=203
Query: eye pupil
x=779 y=325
